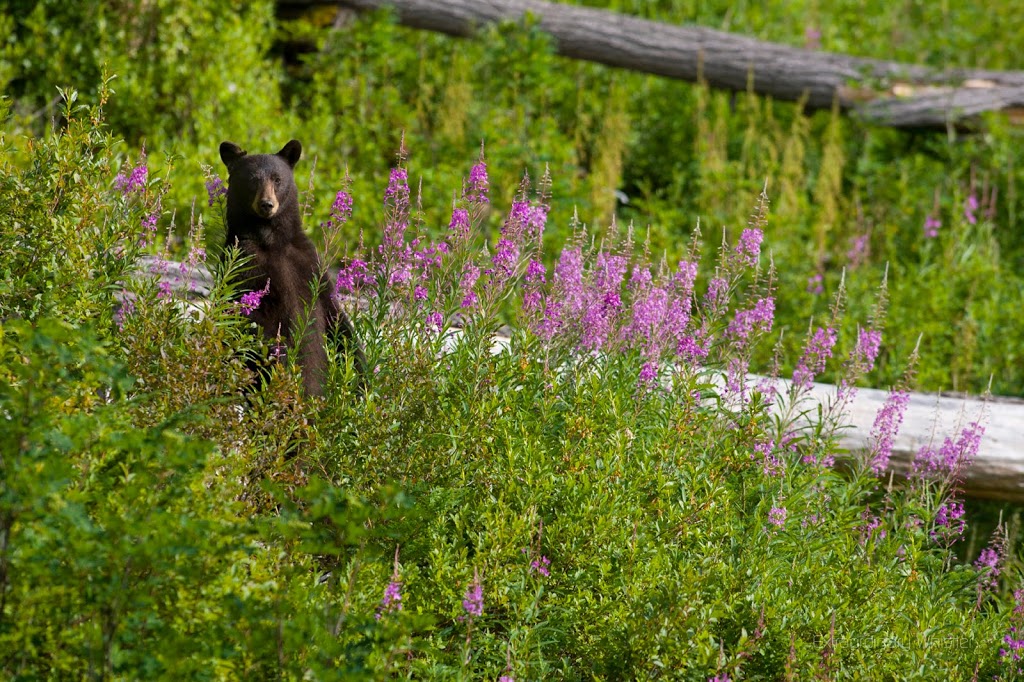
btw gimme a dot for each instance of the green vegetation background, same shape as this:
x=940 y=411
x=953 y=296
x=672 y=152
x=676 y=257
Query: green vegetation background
x=191 y=74
x=151 y=528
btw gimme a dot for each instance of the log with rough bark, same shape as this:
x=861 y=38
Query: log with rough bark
x=996 y=473
x=884 y=92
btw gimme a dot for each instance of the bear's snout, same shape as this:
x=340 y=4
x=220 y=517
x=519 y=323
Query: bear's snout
x=265 y=203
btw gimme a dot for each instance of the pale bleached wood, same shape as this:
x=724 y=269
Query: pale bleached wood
x=998 y=470
x=885 y=92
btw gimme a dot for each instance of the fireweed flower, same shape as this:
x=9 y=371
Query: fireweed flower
x=777 y=516
x=872 y=523
x=858 y=253
x=685 y=278
x=970 y=206
x=869 y=342
x=476 y=191
x=352 y=277
x=603 y=301
x=694 y=348
x=771 y=464
x=396 y=206
x=434 y=322
x=990 y=562
x=459 y=225
x=948 y=526
x=517 y=222
x=950 y=459
x=566 y=299
x=816 y=353
x=648 y=375
x=648 y=307
x=215 y=189
x=149 y=222
x=886 y=425
x=124 y=311
x=931 y=226
x=812 y=38
x=717 y=294
x=660 y=312
x=469 y=277
x=251 y=299
x=134 y=180
x=536 y=277
x=473 y=601
x=397 y=193
x=392 y=599
x=1014 y=649
x=749 y=246
x=814 y=284
x=505 y=260
x=861 y=361
x=341 y=209
x=759 y=319
x=541 y=566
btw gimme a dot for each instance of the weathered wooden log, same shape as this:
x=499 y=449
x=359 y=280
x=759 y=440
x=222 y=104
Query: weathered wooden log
x=996 y=473
x=884 y=92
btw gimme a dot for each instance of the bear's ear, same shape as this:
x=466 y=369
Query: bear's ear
x=230 y=152
x=291 y=152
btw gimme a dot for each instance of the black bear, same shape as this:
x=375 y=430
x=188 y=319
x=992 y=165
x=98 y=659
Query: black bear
x=263 y=220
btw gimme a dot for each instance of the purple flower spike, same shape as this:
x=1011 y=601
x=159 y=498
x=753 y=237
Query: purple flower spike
x=476 y=192
x=466 y=285
x=473 y=603
x=759 y=318
x=749 y=246
x=541 y=566
x=341 y=210
x=392 y=600
x=970 y=206
x=134 y=180
x=459 y=225
x=251 y=300
x=352 y=277
x=398 y=188
x=886 y=426
x=435 y=322
x=648 y=375
x=816 y=354
x=215 y=189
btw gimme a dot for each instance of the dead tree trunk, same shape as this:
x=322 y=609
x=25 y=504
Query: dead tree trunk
x=883 y=92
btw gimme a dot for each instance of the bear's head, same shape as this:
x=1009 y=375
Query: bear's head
x=262 y=184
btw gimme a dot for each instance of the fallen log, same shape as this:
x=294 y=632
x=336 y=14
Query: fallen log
x=883 y=92
x=996 y=473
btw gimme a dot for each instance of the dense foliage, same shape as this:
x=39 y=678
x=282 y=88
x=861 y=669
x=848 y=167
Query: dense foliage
x=603 y=497
x=941 y=211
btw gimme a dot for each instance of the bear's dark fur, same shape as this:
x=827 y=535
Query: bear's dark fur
x=263 y=220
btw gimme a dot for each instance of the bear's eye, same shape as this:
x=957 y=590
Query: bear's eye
x=277 y=179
